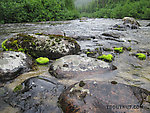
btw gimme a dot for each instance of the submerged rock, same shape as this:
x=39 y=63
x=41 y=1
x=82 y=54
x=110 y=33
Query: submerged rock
x=73 y=66
x=41 y=45
x=36 y=95
x=12 y=64
x=103 y=97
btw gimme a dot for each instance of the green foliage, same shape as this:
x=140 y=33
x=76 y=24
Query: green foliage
x=117 y=9
x=12 y=11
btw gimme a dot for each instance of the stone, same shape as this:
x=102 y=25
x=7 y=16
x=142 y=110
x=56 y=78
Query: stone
x=74 y=66
x=103 y=97
x=130 y=20
x=36 y=94
x=42 y=45
x=12 y=64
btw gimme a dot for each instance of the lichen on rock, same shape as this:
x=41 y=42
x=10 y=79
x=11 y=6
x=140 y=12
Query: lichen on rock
x=42 y=45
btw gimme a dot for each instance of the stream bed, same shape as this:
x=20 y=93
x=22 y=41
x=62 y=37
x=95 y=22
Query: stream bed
x=90 y=36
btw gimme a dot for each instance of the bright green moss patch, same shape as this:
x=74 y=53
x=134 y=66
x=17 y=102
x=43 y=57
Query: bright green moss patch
x=119 y=50
x=107 y=58
x=18 y=88
x=141 y=56
x=89 y=52
x=42 y=60
x=3 y=45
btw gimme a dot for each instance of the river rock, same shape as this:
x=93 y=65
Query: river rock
x=148 y=25
x=103 y=97
x=41 y=45
x=73 y=66
x=12 y=64
x=130 y=20
x=36 y=95
x=112 y=34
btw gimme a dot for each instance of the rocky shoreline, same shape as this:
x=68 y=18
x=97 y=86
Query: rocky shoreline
x=96 y=73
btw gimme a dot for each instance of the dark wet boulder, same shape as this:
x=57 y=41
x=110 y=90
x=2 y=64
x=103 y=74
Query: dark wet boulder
x=12 y=64
x=103 y=97
x=148 y=25
x=74 y=66
x=42 y=45
x=36 y=95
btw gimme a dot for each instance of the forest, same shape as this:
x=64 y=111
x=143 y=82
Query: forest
x=139 y=9
x=17 y=11
x=12 y=11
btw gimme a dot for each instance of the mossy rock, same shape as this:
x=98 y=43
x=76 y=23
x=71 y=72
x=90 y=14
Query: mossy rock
x=18 y=88
x=42 y=60
x=107 y=58
x=42 y=45
x=141 y=56
x=118 y=50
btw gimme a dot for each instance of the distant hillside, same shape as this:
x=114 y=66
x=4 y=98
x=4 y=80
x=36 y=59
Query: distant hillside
x=116 y=9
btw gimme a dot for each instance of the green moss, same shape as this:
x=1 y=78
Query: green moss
x=107 y=58
x=119 y=50
x=129 y=49
x=129 y=40
x=17 y=88
x=89 y=52
x=3 y=45
x=38 y=33
x=141 y=56
x=42 y=60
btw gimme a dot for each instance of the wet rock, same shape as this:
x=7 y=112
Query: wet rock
x=111 y=34
x=119 y=27
x=148 y=25
x=37 y=95
x=83 y=19
x=78 y=66
x=12 y=64
x=103 y=97
x=41 y=45
x=130 y=20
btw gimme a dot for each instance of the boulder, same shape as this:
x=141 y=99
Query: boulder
x=148 y=25
x=130 y=20
x=12 y=64
x=36 y=95
x=103 y=97
x=74 y=66
x=41 y=45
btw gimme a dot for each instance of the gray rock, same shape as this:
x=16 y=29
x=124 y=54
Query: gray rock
x=41 y=45
x=73 y=66
x=12 y=64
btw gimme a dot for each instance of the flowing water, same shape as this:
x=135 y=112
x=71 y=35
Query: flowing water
x=88 y=33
